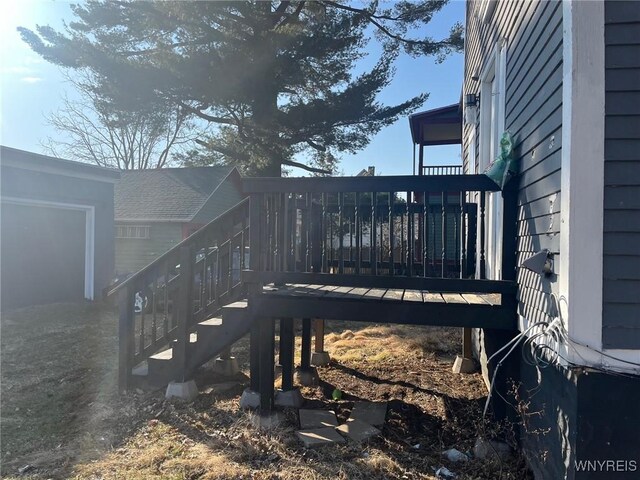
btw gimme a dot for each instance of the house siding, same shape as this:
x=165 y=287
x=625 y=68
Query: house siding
x=48 y=187
x=533 y=115
x=621 y=260
x=133 y=254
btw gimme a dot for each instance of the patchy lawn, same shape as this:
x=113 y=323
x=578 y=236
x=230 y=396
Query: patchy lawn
x=61 y=414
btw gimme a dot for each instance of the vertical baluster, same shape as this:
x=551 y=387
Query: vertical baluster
x=425 y=234
x=410 y=235
x=165 y=309
x=356 y=213
x=306 y=232
x=373 y=251
x=483 y=271
x=139 y=289
x=444 y=234
x=154 y=300
x=341 y=232
x=463 y=236
x=325 y=231
x=331 y=236
x=351 y=221
x=456 y=237
x=391 y=234
x=403 y=259
x=285 y=233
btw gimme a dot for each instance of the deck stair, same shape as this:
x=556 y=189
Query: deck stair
x=210 y=338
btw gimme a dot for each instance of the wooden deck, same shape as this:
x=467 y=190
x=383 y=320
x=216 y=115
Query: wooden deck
x=384 y=305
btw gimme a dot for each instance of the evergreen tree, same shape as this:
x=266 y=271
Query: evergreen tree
x=274 y=77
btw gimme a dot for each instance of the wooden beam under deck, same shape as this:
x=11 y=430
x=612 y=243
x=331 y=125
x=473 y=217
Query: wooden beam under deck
x=385 y=306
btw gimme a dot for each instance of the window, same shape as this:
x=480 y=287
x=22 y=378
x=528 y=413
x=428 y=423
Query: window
x=132 y=231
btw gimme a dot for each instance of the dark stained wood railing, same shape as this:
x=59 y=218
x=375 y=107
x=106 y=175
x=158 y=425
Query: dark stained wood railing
x=405 y=226
x=191 y=282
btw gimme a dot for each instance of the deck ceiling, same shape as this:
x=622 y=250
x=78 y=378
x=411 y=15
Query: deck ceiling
x=440 y=126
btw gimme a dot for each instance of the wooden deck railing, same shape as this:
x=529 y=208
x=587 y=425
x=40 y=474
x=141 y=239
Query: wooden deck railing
x=405 y=226
x=191 y=282
x=442 y=170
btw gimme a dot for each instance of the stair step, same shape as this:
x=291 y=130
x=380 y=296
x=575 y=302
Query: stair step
x=211 y=322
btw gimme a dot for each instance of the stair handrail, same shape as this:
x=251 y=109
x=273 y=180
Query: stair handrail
x=162 y=302
x=176 y=248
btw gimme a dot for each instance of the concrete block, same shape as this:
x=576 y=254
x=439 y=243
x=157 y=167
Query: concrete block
x=464 y=365
x=186 y=391
x=373 y=413
x=317 y=418
x=307 y=378
x=249 y=400
x=289 y=399
x=226 y=366
x=320 y=359
x=319 y=437
x=357 y=430
x=267 y=422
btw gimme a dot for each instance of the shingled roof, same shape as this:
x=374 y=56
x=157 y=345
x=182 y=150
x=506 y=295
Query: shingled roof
x=196 y=194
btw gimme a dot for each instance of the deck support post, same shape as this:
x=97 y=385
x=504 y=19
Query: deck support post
x=319 y=357
x=126 y=338
x=266 y=354
x=464 y=363
x=307 y=375
x=287 y=345
x=185 y=311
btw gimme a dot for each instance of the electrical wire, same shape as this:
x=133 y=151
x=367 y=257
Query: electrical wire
x=542 y=349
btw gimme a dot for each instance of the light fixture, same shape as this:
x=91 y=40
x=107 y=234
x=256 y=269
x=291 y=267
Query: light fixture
x=471 y=101
x=540 y=263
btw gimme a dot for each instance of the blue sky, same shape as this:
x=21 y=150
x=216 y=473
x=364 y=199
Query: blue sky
x=30 y=88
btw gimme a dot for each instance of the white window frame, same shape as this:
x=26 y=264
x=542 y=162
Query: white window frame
x=89 y=236
x=492 y=113
x=126 y=228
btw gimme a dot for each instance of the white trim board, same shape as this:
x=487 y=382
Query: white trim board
x=582 y=199
x=89 y=248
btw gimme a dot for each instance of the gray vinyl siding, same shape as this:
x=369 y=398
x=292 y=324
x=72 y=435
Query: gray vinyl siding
x=49 y=187
x=621 y=262
x=227 y=195
x=533 y=114
x=132 y=254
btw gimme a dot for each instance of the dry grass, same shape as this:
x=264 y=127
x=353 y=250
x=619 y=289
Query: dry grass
x=383 y=342
x=61 y=413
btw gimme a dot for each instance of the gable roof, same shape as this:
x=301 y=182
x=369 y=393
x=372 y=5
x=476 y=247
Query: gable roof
x=176 y=194
x=16 y=158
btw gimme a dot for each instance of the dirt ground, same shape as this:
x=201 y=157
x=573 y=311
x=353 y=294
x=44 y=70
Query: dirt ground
x=61 y=416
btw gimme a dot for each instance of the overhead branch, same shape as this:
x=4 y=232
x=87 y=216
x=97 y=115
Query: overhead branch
x=204 y=116
x=308 y=168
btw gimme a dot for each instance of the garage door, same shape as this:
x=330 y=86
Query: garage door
x=42 y=255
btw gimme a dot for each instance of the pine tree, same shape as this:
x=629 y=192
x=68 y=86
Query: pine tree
x=274 y=77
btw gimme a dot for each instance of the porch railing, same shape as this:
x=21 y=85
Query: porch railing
x=164 y=301
x=406 y=226
x=442 y=170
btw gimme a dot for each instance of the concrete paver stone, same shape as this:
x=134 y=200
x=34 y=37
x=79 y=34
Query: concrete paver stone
x=317 y=418
x=358 y=431
x=319 y=436
x=373 y=413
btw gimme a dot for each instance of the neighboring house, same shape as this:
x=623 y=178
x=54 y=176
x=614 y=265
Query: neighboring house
x=564 y=79
x=156 y=209
x=56 y=233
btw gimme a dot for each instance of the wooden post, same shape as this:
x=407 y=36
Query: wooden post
x=467 y=347
x=185 y=312
x=287 y=345
x=256 y=260
x=126 y=332
x=318 y=324
x=266 y=329
x=254 y=357
x=226 y=353
x=305 y=362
